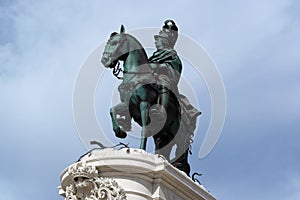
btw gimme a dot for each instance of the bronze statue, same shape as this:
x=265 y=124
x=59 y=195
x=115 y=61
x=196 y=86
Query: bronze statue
x=147 y=84
x=165 y=63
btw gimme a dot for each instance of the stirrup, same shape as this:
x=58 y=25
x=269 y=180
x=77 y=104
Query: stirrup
x=157 y=111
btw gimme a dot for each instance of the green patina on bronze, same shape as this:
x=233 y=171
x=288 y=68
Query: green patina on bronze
x=152 y=82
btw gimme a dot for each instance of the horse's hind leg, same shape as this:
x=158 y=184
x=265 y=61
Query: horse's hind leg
x=182 y=151
x=181 y=161
x=162 y=145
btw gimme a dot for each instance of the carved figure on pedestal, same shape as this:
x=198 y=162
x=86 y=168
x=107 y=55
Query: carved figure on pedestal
x=86 y=184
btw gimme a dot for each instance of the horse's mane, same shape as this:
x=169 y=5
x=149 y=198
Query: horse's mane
x=138 y=42
x=132 y=37
x=113 y=34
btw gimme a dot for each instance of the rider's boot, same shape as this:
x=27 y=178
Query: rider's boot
x=160 y=112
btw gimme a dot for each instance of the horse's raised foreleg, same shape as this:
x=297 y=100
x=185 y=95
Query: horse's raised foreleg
x=113 y=114
x=144 y=108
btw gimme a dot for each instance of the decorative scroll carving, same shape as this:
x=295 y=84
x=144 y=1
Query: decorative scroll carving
x=109 y=189
x=86 y=185
x=81 y=169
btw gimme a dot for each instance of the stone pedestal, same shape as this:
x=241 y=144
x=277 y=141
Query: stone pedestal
x=127 y=174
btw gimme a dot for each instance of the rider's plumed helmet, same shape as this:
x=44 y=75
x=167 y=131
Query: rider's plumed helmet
x=169 y=31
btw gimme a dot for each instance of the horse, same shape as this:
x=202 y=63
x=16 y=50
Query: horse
x=139 y=94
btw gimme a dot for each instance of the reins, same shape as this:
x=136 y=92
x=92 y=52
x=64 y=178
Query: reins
x=116 y=70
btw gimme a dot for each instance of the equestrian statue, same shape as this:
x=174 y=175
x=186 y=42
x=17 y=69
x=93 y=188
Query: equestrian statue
x=149 y=93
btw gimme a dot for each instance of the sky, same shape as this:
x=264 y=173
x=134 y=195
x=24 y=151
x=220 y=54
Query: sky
x=255 y=45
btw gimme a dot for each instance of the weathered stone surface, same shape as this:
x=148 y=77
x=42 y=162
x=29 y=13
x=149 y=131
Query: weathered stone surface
x=128 y=174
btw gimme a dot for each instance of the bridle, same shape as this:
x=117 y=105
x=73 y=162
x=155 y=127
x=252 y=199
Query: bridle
x=116 y=69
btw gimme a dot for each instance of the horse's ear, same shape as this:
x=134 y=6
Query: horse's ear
x=122 y=29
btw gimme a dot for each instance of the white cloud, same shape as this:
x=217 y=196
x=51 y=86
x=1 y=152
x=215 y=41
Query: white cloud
x=292 y=187
x=49 y=40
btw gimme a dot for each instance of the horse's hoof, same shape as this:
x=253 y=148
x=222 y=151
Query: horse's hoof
x=125 y=124
x=185 y=167
x=120 y=133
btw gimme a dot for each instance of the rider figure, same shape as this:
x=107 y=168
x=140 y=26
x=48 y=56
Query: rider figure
x=167 y=67
x=166 y=64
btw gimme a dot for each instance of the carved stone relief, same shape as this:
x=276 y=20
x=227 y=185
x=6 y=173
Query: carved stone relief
x=86 y=184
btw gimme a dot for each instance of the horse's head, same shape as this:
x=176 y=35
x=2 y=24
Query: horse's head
x=113 y=50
